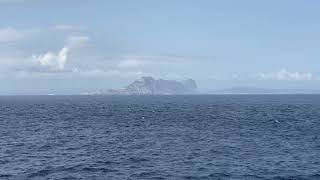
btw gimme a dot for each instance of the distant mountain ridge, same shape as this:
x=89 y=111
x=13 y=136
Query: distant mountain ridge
x=150 y=86
x=255 y=90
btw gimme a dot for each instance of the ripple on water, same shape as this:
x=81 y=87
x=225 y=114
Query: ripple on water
x=179 y=137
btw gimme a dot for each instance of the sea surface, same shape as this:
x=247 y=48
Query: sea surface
x=236 y=137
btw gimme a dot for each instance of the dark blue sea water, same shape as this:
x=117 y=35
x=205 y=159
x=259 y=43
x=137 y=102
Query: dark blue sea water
x=160 y=137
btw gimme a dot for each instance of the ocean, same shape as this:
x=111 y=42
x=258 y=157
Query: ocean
x=236 y=137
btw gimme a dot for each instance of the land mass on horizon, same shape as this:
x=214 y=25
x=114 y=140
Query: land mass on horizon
x=151 y=86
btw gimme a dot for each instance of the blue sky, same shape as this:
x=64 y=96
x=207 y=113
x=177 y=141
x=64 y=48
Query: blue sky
x=76 y=46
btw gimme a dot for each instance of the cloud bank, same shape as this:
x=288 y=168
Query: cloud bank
x=131 y=63
x=10 y=34
x=70 y=51
x=284 y=75
x=11 y=1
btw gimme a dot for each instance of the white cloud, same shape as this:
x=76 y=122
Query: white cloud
x=131 y=63
x=63 y=27
x=78 y=73
x=12 y=1
x=52 y=61
x=107 y=73
x=69 y=28
x=10 y=34
x=21 y=1
x=284 y=75
x=76 y=57
x=77 y=41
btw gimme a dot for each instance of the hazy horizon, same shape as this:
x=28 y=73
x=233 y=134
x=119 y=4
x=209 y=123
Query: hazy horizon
x=73 y=47
x=167 y=89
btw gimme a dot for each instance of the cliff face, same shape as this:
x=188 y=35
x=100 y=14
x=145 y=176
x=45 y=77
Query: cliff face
x=149 y=85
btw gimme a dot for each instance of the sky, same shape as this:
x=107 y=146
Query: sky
x=76 y=46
